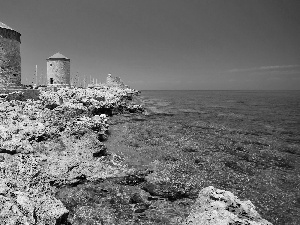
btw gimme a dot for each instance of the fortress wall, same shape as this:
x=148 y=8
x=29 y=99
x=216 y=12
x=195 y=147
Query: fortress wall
x=114 y=81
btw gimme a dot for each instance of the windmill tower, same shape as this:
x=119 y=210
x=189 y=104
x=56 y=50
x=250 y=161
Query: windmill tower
x=58 y=70
x=10 y=57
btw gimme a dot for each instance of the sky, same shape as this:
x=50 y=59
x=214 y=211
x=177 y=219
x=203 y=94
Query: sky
x=164 y=44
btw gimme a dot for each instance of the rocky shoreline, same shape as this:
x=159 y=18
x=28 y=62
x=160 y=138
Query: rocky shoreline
x=55 y=167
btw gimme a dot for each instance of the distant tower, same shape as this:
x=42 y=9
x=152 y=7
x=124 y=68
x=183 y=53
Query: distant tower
x=58 y=70
x=10 y=58
x=114 y=81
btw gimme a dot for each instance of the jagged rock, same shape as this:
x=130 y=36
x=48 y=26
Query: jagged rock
x=25 y=195
x=10 y=213
x=83 y=159
x=24 y=201
x=51 y=211
x=53 y=140
x=25 y=210
x=3 y=188
x=218 y=207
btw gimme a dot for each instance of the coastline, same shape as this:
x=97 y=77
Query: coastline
x=75 y=161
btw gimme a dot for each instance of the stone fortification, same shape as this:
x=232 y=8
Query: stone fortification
x=10 y=58
x=114 y=81
x=58 y=70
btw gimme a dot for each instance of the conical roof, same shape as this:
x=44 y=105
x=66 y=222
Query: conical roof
x=58 y=56
x=2 y=25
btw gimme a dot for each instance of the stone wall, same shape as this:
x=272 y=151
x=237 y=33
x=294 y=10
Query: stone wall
x=114 y=81
x=10 y=58
x=59 y=70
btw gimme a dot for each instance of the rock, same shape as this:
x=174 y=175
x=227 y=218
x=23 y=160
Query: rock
x=164 y=182
x=25 y=203
x=11 y=214
x=218 y=207
x=102 y=151
x=3 y=188
x=98 y=214
x=51 y=211
x=55 y=141
x=23 y=210
x=51 y=106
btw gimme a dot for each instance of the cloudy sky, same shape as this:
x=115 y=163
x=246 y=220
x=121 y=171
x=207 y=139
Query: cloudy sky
x=164 y=44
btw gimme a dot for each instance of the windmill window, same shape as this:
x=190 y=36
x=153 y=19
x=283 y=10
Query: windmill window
x=50 y=64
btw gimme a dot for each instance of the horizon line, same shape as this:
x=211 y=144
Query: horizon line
x=220 y=90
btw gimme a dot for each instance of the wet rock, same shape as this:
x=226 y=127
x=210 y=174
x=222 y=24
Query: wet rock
x=218 y=207
x=99 y=214
x=106 y=201
x=166 y=182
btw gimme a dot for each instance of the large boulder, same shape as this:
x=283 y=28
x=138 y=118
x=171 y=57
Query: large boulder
x=218 y=207
x=27 y=210
x=49 y=210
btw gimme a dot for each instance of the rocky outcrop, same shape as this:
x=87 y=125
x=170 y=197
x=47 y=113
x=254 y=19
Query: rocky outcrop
x=43 y=148
x=105 y=99
x=25 y=210
x=25 y=195
x=218 y=207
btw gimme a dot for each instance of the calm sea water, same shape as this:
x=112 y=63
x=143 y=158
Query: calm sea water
x=275 y=111
x=247 y=141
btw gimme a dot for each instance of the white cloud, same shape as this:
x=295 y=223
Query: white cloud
x=265 y=68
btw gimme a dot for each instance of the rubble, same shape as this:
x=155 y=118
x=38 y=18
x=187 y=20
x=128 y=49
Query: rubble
x=218 y=207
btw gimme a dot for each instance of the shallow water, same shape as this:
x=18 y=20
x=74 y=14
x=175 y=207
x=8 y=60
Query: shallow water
x=250 y=138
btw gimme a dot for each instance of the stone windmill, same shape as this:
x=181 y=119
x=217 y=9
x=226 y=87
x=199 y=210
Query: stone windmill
x=10 y=57
x=58 y=70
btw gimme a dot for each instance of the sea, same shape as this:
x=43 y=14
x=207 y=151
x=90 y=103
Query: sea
x=276 y=111
x=248 y=142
